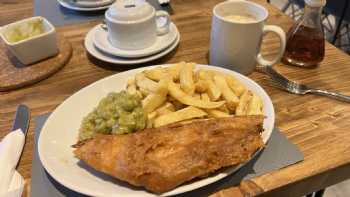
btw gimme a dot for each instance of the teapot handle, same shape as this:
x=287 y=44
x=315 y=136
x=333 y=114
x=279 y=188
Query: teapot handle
x=164 y=29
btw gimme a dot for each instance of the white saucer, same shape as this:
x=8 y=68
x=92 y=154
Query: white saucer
x=90 y=3
x=89 y=45
x=86 y=9
x=102 y=42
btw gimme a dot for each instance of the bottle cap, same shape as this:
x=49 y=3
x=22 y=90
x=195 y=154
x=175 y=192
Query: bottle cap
x=316 y=3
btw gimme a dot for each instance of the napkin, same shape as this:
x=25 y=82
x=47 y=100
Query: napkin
x=11 y=182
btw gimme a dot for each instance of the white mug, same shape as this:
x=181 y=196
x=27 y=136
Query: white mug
x=236 y=44
x=132 y=25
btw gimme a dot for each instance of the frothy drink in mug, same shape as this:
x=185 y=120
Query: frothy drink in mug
x=236 y=33
x=246 y=18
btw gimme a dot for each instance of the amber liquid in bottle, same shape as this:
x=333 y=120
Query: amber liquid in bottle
x=305 y=47
x=305 y=40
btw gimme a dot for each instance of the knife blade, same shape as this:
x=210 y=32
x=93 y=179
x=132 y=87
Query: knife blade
x=22 y=119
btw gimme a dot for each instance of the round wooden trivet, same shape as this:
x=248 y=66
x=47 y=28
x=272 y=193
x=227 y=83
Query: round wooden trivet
x=14 y=74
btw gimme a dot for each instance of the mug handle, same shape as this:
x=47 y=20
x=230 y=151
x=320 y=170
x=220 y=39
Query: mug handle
x=164 y=29
x=280 y=33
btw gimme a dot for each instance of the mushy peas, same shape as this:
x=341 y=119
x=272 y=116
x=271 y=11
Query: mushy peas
x=24 y=31
x=117 y=113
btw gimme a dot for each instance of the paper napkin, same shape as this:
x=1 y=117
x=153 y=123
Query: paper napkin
x=11 y=182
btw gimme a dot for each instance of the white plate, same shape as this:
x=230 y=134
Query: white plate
x=89 y=45
x=61 y=131
x=102 y=42
x=76 y=8
x=90 y=3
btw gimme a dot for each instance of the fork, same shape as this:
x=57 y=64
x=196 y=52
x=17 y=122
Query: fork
x=298 y=88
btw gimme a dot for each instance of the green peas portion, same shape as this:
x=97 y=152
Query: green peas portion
x=117 y=113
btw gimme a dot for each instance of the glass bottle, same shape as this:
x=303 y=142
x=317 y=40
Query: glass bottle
x=305 y=40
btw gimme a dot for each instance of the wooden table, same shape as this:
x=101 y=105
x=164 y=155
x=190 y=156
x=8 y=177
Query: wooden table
x=319 y=126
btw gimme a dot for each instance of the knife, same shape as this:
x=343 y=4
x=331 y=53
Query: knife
x=22 y=119
x=12 y=148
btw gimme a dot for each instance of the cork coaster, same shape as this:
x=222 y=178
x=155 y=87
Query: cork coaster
x=14 y=75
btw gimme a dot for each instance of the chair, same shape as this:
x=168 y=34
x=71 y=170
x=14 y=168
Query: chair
x=339 y=9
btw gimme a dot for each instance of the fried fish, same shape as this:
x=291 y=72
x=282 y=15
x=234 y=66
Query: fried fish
x=163 y=158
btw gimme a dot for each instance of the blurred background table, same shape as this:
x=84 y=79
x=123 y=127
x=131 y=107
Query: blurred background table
x=319 y=126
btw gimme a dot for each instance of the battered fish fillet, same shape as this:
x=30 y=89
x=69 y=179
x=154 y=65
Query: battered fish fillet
x=163 y=158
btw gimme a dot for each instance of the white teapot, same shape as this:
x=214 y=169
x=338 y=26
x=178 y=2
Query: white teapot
x=132 y=24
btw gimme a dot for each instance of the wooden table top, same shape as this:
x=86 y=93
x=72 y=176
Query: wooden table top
x=319 y=126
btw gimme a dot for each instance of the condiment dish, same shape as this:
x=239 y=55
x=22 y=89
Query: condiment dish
x=30 y=40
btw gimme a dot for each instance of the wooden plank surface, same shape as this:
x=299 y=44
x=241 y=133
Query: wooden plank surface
x=318 y=126
x=15 y=75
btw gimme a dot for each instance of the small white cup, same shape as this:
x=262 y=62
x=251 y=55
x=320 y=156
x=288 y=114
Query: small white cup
x=236 y=45
x=35 y=48
x=132 y=25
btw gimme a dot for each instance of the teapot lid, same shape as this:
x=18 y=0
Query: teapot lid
x=129 y=10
